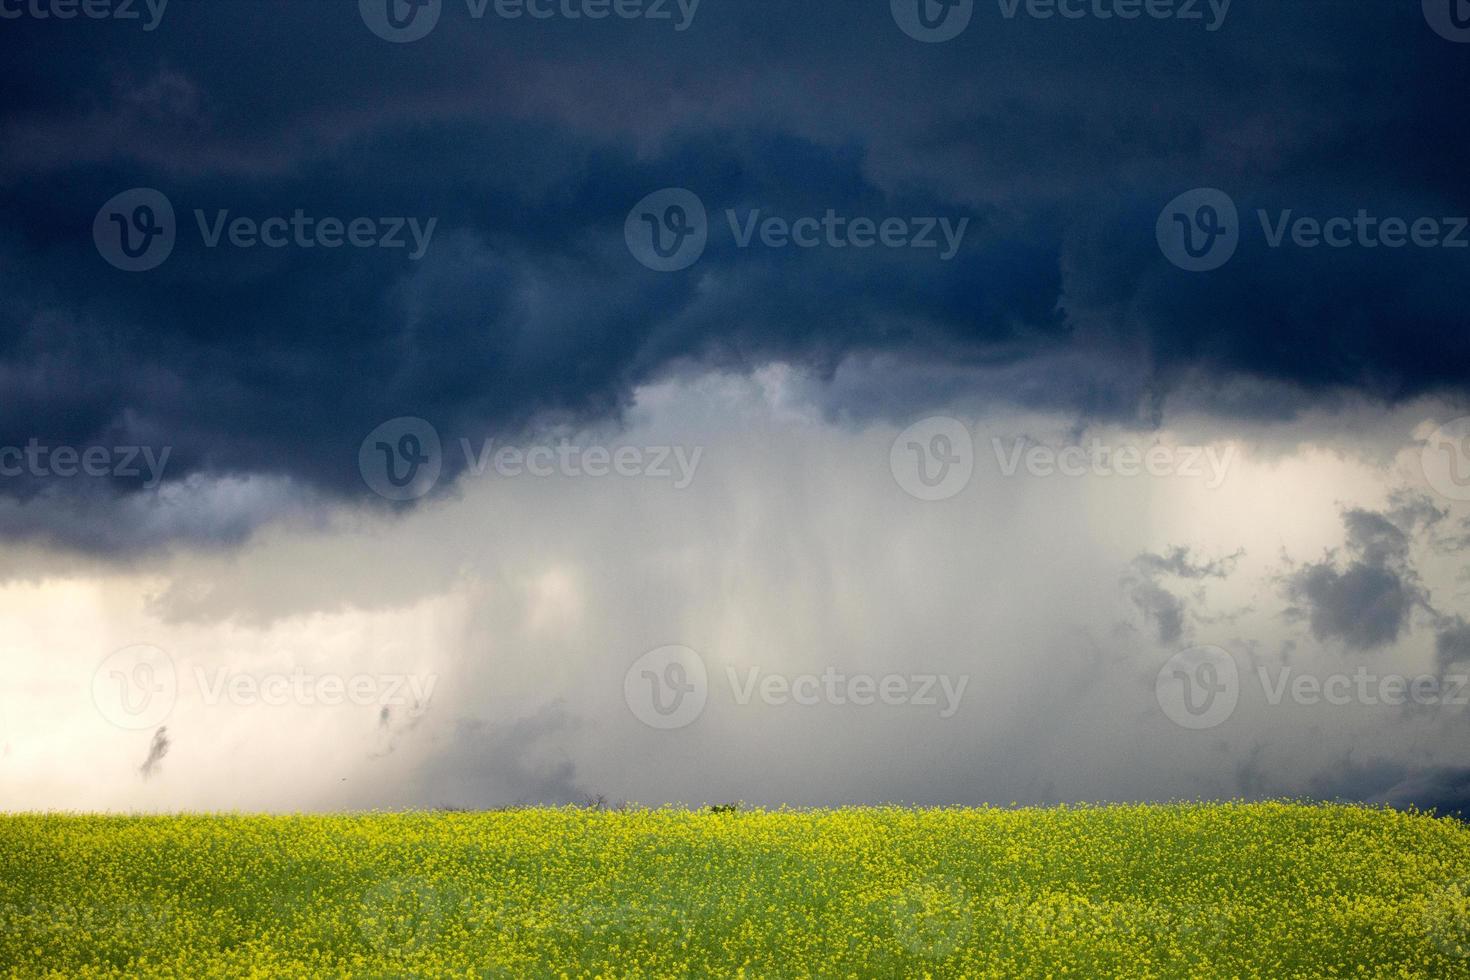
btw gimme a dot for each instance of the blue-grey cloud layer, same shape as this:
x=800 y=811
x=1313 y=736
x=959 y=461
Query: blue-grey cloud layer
x=528 y=141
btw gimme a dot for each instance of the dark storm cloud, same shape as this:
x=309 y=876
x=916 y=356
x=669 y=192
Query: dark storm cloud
x=1443 y=789
x=1366 y=601
x=527 y=142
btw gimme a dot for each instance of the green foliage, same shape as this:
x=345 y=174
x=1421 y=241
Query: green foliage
x=1269 y=890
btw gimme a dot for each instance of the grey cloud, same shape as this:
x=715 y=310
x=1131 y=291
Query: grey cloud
x=479 y=764
x=1452 y=644
x=1167 y=611
x=1366 y=602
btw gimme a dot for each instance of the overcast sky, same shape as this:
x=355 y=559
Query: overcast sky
x=446 y=404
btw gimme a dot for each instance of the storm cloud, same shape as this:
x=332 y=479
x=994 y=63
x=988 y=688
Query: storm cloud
x=527 y=142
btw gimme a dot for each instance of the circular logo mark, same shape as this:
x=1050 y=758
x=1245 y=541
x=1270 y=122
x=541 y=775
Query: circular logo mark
x=400 y=21
x=1199 y=230
x=1199 y=688
x=667 y=688
x=135 y=230
x=136 y=687
x=932 y=21
x=401 y=915
x=1448 y=919
x=1449 y=18
x=1446 y=459
x=933 y=459
x=932 y=919
x=667 y=230
x=401 y=459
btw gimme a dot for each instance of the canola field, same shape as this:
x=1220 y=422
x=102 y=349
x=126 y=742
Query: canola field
x=1197 y=890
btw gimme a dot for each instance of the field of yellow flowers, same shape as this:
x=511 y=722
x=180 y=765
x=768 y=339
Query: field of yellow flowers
x=1235 y=890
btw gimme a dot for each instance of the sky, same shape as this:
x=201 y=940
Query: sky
x=446 y=403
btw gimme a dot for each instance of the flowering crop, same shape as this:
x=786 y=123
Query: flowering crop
x=1234 y=890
